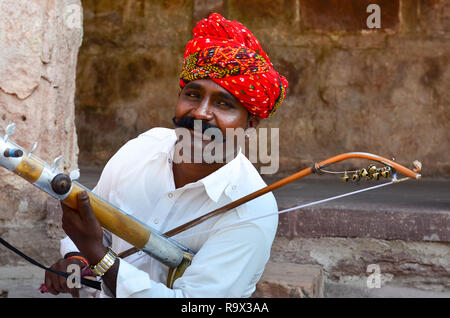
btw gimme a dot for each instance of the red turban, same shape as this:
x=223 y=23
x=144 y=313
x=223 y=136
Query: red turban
x=229 y=54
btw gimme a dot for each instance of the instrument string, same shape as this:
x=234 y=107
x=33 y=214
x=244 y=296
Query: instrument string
x=186 y=235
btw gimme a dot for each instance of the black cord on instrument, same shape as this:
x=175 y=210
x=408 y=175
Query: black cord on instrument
x=84 y=281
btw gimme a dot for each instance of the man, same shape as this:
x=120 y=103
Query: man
x=227 y=82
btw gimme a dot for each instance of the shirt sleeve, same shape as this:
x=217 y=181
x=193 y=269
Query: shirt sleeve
x=229 y=264
x=67 y=246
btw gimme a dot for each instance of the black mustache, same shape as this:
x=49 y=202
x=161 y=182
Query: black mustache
x=188 y=122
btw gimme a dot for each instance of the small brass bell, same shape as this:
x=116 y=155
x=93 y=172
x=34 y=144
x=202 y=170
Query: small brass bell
x=345 y=178
x=364 y=173
x=375 y=176
x=384 y=172
x=356 y=177
x=387 y=172
x=372 y=169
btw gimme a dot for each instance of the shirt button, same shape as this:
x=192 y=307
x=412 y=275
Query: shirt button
x=170 y=195
x=170 y=161
x=155 y=221
x=233 y=187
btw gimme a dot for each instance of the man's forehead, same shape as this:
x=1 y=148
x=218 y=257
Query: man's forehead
x=206 y=84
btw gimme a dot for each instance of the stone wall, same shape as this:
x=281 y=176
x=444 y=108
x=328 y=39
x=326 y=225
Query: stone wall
x=416 y=266
x=39 y=43
x=351 y=88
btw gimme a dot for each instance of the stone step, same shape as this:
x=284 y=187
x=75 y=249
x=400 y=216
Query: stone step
x=23 y=282
x=409 y=211
x=289 y=280
x=339 y=290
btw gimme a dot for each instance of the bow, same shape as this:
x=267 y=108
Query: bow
x=390 y=169
x=370 y=173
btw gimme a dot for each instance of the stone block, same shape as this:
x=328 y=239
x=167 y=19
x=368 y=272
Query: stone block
x=409 y=16
x=410 y=211
x=289 y=280
x=434 y=17
x=350 y=16
x=137 y=23
x=353 y=99
x=131 y=90
x=203 y=8
x=38 y=57
x=23 y=282
x=272 y=22
x=422 y=265
x=32 y=239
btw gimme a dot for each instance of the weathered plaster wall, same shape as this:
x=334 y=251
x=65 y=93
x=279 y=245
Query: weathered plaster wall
x=38 y=55
x=384 y=91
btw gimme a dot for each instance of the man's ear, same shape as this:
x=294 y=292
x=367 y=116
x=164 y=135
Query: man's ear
x=253 y=121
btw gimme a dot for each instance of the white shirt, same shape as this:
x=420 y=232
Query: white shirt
x=228 y=262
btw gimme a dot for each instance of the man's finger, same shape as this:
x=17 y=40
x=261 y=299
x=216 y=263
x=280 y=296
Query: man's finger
x=84 y=206
x=62 y=288
x=49 y=284
x=66 y=209
x=70 y=219
x=75 y=292
x=54 y=284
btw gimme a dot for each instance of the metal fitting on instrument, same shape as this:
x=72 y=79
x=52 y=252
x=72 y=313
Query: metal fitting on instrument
x=61 y=184
x=13 y=153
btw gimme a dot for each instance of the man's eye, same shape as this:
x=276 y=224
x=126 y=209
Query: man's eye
x=224 y=104
x=192 y=94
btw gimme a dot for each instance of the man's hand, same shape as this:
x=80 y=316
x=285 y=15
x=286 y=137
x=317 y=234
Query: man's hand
x=56 y=284
x=84 y=229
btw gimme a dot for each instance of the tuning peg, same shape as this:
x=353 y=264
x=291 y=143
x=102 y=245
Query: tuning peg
x=13 y=153
x=345 y=178
x=56 y=163
x=417 y=166
x=9 y=131
x=61 y=183
x=74 y=174
x=33 y=148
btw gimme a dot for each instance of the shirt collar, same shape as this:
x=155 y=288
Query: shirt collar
x=216 y=183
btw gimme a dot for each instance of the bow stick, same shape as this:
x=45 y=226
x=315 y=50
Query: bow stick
x=390 y=169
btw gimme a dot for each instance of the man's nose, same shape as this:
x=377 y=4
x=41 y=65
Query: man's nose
x=203 y=110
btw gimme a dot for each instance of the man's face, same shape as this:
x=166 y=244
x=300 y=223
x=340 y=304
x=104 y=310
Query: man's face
x=210 y=103
x=207 y=101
